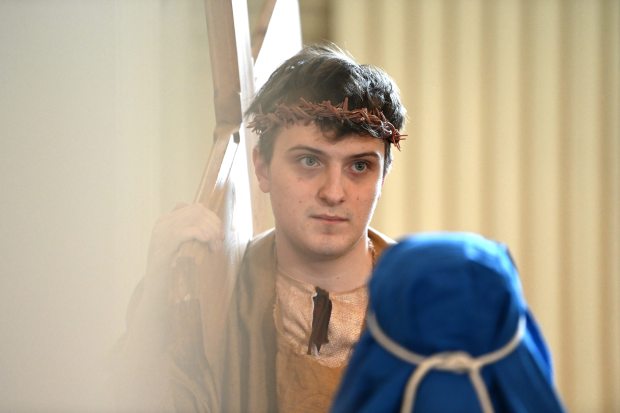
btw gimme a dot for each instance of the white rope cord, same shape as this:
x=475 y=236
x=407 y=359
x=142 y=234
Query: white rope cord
x=452 y=361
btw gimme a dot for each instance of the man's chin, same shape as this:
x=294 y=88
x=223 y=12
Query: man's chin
x=328 y=249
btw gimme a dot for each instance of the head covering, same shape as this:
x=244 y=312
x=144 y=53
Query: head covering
x=448 y=331
x=369 y=121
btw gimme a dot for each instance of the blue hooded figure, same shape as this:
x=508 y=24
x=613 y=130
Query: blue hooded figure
x=448 y=330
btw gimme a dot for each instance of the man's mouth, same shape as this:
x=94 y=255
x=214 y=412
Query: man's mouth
x=329 y=218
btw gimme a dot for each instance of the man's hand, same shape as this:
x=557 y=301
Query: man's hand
x=184 y=224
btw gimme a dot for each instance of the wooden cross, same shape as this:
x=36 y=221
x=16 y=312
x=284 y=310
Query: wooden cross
x=228 y=186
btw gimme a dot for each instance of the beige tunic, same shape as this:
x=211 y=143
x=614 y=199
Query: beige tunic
x=307 y=382
x=243 y=377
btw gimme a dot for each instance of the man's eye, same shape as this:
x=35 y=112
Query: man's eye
x=360 y=166
x=309 y=161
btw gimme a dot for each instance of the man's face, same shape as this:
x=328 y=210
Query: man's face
x=323 y=192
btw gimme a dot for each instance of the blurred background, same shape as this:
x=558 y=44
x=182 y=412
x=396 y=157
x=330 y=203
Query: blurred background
x=106 y=120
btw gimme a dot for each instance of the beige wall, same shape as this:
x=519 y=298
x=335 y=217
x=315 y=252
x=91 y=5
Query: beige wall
x=514 y=132
x=104 y=124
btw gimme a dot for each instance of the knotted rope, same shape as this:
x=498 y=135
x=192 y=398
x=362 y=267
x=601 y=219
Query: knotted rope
x=452 y=361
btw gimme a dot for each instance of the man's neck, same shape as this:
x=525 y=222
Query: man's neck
x=334 y=274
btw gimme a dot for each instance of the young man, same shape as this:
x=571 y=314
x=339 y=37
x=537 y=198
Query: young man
x=326 y=126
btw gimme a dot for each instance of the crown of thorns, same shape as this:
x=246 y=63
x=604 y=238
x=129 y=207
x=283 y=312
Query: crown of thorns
x=372 y=122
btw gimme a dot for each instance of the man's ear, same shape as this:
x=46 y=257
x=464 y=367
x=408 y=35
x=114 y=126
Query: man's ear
x=261 y=169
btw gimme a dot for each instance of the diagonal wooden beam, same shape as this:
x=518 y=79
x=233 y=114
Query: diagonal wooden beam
x=203 y=280
x=260 y=29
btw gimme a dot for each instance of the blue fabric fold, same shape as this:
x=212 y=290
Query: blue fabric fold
x=438 y=292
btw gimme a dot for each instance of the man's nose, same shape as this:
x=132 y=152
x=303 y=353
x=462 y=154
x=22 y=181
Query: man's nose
x=332 y=190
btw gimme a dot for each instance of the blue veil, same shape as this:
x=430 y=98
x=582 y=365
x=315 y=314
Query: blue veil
x=442 y=294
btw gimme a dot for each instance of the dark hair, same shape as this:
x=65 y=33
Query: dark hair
x=326 y=73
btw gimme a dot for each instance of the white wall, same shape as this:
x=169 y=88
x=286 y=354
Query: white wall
x=104 y=124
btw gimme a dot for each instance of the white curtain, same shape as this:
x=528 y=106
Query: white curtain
x=514 y=132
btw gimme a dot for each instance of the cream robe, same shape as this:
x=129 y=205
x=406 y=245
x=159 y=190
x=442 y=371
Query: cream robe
x=243 y=378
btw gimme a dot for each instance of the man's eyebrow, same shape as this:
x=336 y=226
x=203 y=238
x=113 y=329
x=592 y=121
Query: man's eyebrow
x=316 y=151
x=306 y=149
x=366 y=154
